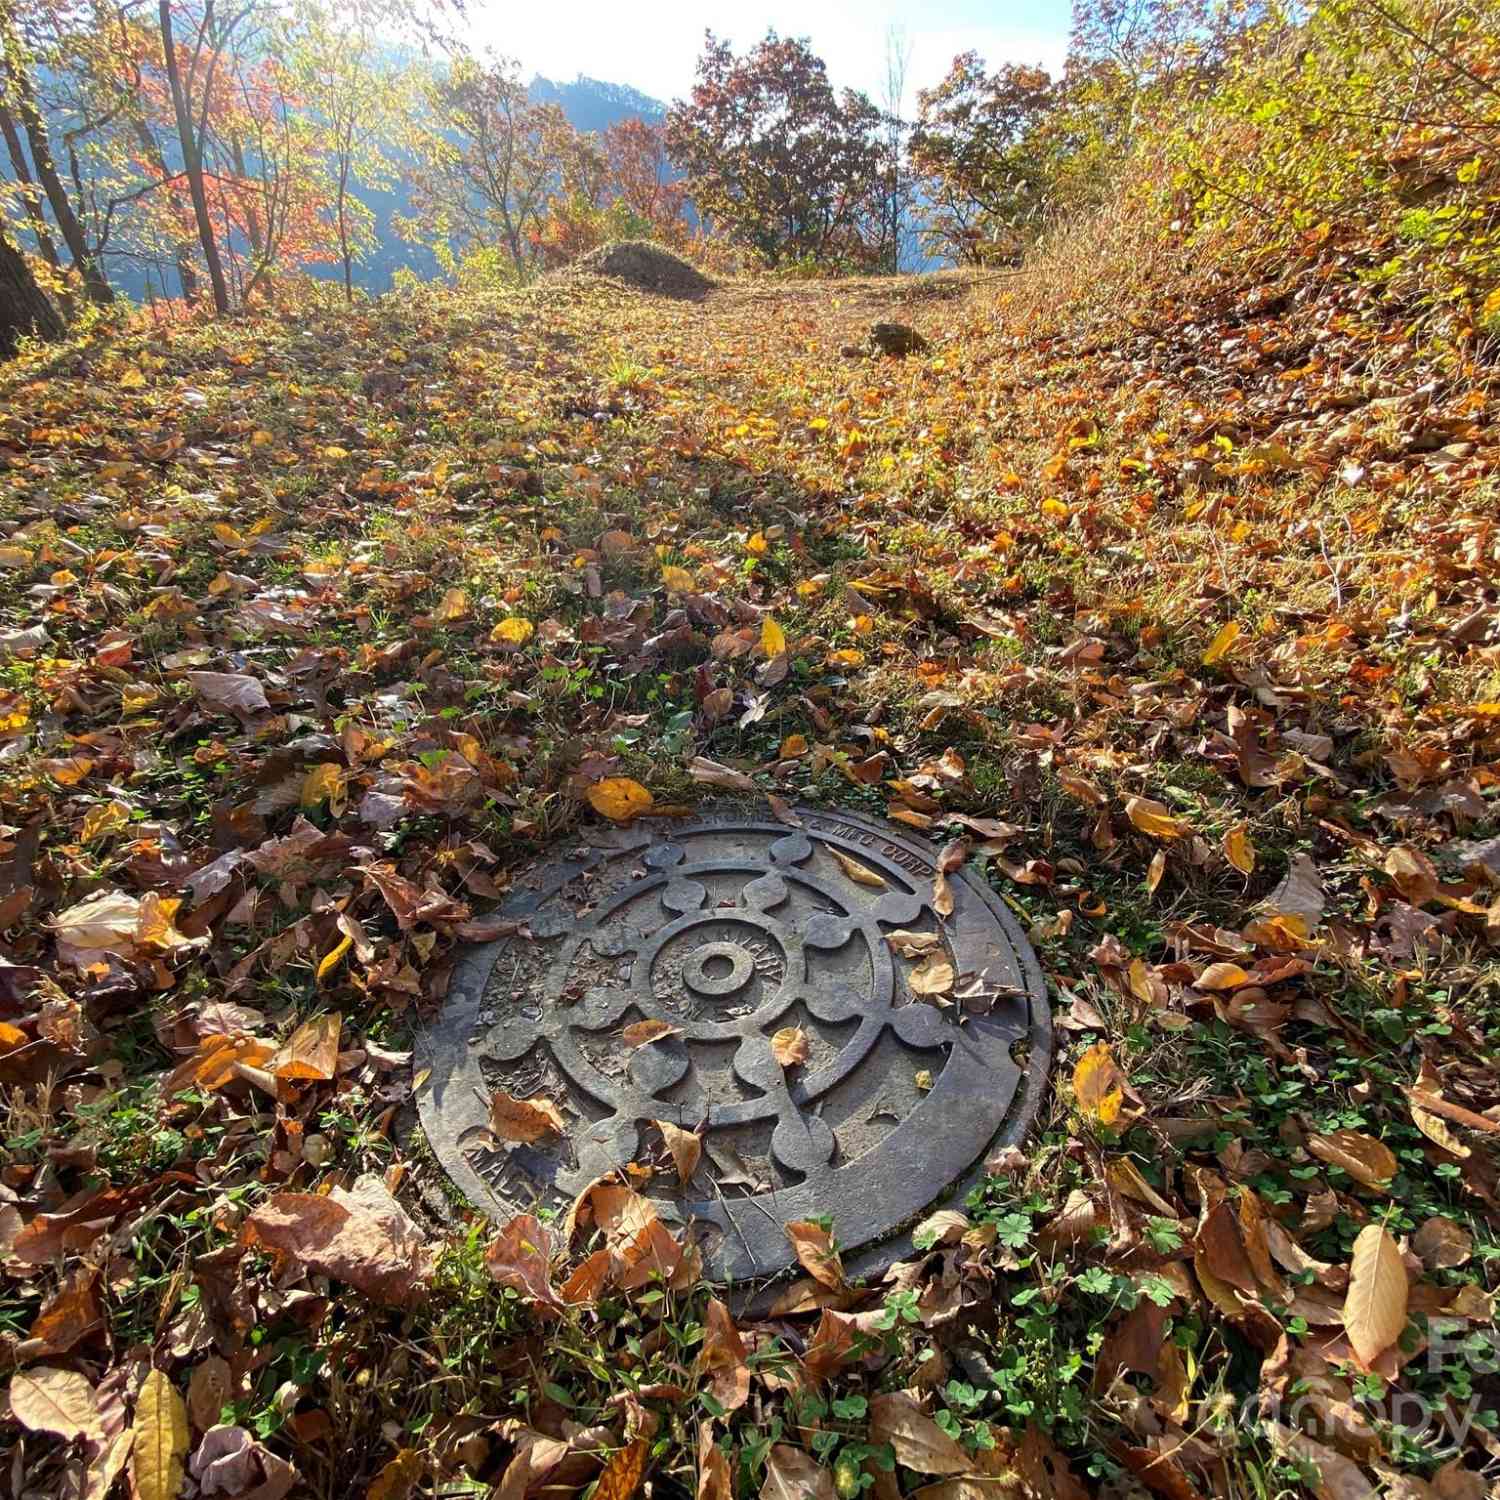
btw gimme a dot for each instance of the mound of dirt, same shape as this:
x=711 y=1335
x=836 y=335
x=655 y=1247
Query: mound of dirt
x=649 y=267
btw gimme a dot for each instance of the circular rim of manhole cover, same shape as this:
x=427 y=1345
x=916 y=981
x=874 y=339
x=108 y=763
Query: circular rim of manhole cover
x=731 y=924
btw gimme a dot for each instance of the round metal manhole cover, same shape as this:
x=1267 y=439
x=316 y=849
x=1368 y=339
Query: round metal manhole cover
x=730 y=928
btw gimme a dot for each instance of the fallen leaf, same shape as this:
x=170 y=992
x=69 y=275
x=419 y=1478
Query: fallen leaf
x=722 y=1357
x=793 y=1474
x=640 y=1033
x=514 y=630
x=159 y=1440
x=1222 y=976
x=685 y=1146
x=236 y=692
x=1219 y=647
x=1096 y=1085
x=814 y=1246
x=1239 y=850
x=520 y=1257
x=311 y=1053
x=933 y=976
x=858 y=873
x=524 y=1120
x=789 y=1046
x=454 y=605
x=920 y=1444
x=772 y=638
x=1442 y=1245
x=361 y=1236
x=398 y=1478
x=623 y=1473
x=45 y=1399
x=1365 y=1159
x=912 y=944
x=1375 y=1304
x=714 y=1481
x=1153 y=818
x=619 y=798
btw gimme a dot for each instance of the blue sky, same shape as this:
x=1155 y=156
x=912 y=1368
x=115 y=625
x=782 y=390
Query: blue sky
x=653 y=47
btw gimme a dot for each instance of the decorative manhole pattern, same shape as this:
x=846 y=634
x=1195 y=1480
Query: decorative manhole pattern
x=729 y=928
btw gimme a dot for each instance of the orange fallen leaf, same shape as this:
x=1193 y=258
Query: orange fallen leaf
x=789 y=1046
x=524 y=1120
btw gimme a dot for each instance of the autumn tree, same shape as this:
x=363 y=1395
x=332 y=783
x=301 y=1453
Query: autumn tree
x=981 y=152
x=30 y=37
x=775 y=158
x=354 y=96
x=640 y=175
x=488 y=161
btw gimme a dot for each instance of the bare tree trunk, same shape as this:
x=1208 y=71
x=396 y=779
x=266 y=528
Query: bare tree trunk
x=192 y=163
x=95 y=283
x=344 y=227
x=182 y=252
x=24 y=307
x=29 y=194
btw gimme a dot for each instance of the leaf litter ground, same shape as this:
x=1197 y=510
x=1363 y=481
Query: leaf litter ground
x=1179 y=630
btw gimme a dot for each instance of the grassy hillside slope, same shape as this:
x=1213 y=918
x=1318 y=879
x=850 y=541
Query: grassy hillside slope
x=1164 y=577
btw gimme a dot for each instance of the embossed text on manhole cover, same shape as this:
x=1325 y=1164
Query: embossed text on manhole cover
x=731 y=927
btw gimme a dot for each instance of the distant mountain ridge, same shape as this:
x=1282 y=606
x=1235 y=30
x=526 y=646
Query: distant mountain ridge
x=592 y=104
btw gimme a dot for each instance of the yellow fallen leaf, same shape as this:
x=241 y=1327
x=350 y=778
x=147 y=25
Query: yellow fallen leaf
x=1238 y=849
x=1219 y=647
x=323 y=783
x=772 y=638
x=1153 y=818
x=159 y=1440
x=514 y=630
x=1223 y=976
x=619 y=798
x=329 y=962
x=678 y=580
x=453 y=606
x=1096 y=1085
x=860 y=874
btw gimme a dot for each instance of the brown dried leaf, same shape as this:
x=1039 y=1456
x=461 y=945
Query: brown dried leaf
x=361 y=1236
x=686 y=1148
x=639 y=1033
x=520 y=1257
x=311 y=1053
x=722 y=1357
x=524 y=1120
x=1365 y=1159
x=815 y=1252
x=912 y=944
x=933 y=976
x=793 y=1474
x=920 y=1444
